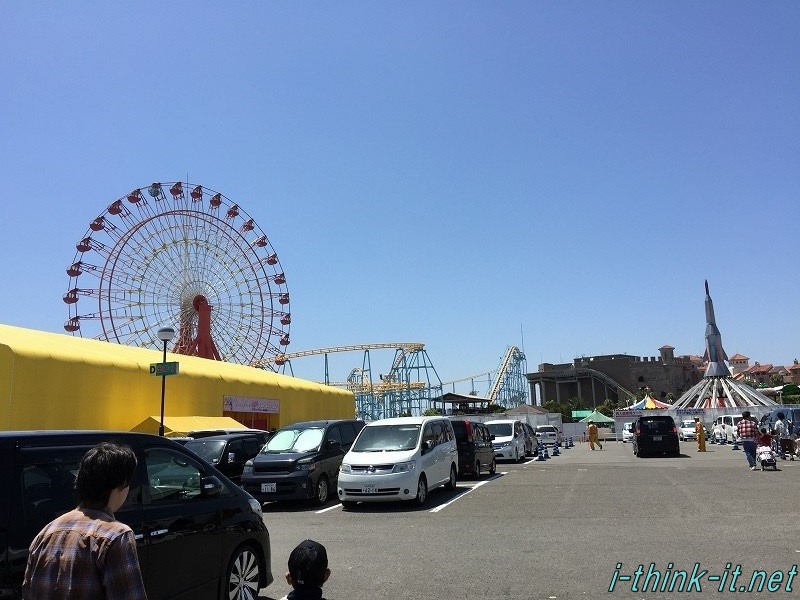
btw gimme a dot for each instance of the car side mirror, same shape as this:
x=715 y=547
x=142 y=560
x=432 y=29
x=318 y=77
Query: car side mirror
x=210 y=486
x=231 y=457
x=427 y=445
x=334 y=444
x=491 y=437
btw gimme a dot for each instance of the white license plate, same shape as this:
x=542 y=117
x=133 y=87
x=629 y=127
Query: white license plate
x=266 y=488
x=656 y=438
x=369 y=489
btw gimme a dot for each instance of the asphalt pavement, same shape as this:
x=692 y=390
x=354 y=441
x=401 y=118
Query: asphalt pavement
x=574 y=526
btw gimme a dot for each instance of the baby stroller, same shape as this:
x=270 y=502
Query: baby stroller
x=766 y=458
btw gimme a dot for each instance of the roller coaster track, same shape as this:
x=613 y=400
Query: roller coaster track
x=279 y=358
x=469 y=378
x=510 y=388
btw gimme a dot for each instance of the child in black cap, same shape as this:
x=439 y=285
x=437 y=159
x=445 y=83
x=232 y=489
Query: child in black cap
x=308 y=570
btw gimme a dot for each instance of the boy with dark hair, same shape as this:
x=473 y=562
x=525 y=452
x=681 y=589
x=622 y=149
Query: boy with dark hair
x=87 y=553
x=308 y=570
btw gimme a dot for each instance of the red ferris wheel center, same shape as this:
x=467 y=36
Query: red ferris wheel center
x=203 y=344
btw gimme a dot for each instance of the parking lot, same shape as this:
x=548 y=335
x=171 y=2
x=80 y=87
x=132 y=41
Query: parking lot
x=558 y=529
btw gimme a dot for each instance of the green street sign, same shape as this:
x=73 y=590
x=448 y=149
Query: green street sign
x=163 y=368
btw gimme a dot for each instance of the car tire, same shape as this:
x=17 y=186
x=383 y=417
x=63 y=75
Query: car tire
x=477 y=469
x=453 y=481
x=348 y=504
x=322 y=490
x=422 y=491
x=493 y=467
x=243 y=574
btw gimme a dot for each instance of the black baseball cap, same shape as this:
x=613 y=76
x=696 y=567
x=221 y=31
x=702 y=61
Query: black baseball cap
x=308 y=563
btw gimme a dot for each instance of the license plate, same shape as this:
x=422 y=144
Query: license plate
x=370 y=489
x=656 y=438
x=266 y=488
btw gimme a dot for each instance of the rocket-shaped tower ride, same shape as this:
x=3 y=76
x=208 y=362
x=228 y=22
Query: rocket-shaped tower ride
x=717 y=389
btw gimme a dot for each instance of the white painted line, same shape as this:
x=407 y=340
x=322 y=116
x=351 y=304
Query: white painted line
x=474 y=487
x=319 y=512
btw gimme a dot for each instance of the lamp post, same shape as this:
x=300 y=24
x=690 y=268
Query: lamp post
x=165 y=334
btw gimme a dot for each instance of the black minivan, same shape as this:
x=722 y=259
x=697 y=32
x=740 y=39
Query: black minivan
x=229 y=452
x=475 y=452
x=656 y=434
x=198 y=535
x=300 y=461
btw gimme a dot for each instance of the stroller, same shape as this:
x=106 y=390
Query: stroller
x=766 y=458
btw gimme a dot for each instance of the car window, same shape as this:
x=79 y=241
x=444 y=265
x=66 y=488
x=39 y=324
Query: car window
x=348 y=432
x=427 y=434
x=171 y=477
x=295 y=440
x=655 y=426
x=48 y=485
x=382 y=438
x=209 y=450
x=500 y=429
x=334 y=434
x=252 y=446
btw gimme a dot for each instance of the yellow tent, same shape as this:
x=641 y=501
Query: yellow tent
x=178 y=426
x=57 y=381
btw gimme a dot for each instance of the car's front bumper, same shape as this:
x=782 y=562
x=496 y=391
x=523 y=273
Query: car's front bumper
x=298 y=485
x=383 y=487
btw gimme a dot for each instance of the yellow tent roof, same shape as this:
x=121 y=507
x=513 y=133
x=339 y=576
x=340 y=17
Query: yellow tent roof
x=177 y=426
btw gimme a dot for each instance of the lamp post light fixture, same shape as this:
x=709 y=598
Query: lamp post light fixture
x=165 y=334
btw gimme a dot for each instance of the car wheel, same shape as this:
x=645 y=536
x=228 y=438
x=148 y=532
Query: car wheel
x=477 y=469
x=348 y=504
x=451 y=483
x=422 y=491
x=493 y=467
x=244 y=573
x=322 y=490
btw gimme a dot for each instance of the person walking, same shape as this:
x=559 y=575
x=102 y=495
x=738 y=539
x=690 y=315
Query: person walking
x=700 y=434
x=747 y=432
x=87 y=553
x=782 y=435
x=593 y=437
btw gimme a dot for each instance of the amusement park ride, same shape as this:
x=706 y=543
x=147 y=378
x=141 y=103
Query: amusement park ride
x=191 y=256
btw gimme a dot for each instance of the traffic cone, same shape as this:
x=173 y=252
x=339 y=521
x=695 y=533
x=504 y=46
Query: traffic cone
x=555 y=450
x=546 y=455
x=735 y=444
x=540 y=456
x=571 y=443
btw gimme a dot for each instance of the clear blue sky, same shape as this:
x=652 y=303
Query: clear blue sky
x=456 y=174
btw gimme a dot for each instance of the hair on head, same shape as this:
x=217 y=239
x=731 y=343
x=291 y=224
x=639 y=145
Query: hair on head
x=308 y=563
x=105 y=467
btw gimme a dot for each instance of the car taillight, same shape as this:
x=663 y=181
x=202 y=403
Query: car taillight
x=468 y=427
x=674 y=429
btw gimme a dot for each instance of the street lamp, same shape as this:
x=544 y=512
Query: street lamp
x=165 y=334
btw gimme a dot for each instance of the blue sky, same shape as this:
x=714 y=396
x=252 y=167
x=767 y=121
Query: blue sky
x=457 y=174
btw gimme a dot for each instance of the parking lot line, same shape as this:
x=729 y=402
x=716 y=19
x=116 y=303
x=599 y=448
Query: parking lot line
x=319 y=512
x=464 y=493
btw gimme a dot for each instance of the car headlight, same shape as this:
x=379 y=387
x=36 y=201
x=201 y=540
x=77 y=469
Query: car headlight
x=345 y=468
x=404 y=467
x=248 y=468
x=255 y=506
x=305 y=466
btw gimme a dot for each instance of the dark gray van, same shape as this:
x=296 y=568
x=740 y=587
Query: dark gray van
x=475 y=452
x=300 y=461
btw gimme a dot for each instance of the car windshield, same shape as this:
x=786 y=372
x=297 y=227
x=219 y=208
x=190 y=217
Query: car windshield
x=385 y=438
x=500 y=429
x=656 y=426
x=688 y=424
x=545 y=429
x=295 y=440
x=208 y=450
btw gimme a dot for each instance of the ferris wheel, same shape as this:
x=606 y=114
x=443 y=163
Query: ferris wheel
x=188 y=258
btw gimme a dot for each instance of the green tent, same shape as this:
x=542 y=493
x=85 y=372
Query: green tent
x=597 y=417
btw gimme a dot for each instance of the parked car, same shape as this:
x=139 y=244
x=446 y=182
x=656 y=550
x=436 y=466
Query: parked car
x=198 y=535
x=509 y=439
x=627 y=432
x=403 y=458
x=656 y=434
x=548 y=435
x=686 y=431
x=229 y=452
x=300 y=461
x=725 y=428
x=475 y=452
x=531 y=441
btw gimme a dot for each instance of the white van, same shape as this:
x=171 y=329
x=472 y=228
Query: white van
x=399 y=459
x=725 y=428
x=509 y=439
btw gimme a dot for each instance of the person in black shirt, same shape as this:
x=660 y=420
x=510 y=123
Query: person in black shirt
x=308 y=570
